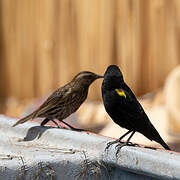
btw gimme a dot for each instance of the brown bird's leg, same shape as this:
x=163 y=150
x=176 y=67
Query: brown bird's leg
x=56 y=123
x=46 y=120
x=73 y=128
x=118 y=140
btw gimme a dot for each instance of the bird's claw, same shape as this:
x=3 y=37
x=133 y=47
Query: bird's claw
x=111 y=143
x=119 y=146
x=108 y=145
x=126 y=144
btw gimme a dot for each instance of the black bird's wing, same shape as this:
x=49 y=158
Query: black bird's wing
x=137 y=118
x=130 y=110
x=130 y=101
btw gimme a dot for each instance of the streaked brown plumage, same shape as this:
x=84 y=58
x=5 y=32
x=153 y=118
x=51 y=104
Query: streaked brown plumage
x=65 y=100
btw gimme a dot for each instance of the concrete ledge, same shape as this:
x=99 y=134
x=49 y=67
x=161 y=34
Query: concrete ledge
x=29 y=151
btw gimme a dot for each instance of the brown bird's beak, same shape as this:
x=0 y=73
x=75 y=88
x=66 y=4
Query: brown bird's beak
x=99 y=76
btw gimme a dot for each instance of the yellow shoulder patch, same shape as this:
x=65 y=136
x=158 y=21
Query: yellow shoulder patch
x=120 y=92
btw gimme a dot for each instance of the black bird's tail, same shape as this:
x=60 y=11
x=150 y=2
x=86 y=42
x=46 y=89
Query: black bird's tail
x=153 y=135
x=156 y=137
x=161 y=141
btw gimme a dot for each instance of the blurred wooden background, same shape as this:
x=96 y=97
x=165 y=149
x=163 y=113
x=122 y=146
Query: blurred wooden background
x=43 y=44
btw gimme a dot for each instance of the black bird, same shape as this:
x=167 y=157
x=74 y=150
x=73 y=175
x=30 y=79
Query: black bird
x=65 y=100
x=125 y=110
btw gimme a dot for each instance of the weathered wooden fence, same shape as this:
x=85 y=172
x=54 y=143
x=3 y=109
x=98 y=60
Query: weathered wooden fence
x=43 y=44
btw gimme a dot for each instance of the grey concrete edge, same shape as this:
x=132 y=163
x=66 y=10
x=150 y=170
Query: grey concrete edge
x=153 y=163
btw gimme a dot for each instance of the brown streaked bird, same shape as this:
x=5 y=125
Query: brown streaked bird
x=65 y=100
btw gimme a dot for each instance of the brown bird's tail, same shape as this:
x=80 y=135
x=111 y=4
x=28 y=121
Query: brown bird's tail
x=31 y=116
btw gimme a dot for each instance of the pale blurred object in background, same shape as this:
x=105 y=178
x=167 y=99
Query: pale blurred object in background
x=172 y=98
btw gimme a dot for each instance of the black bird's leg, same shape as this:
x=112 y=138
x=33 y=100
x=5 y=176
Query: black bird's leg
x=124 y=135
x=119 y=146
x=73 y=128
x=118 y=140
x=127 y=142
x=45 y=121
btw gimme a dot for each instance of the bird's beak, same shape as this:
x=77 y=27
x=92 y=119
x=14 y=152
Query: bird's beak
x=99 y=76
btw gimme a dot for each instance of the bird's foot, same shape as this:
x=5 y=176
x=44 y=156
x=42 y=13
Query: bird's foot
x=111 y=143
x=47 y=120
x=52 y=126
x=76 y=129
x=120 y=145
x=58 y=126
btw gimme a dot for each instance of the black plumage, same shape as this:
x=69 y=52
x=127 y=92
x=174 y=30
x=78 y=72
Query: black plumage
x=65 y=100
x=124 y=109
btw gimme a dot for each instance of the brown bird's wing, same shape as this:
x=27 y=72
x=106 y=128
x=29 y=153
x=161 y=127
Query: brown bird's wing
x=24 y=119
x=59 y=96
x=62 y=105
x=58 y=100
